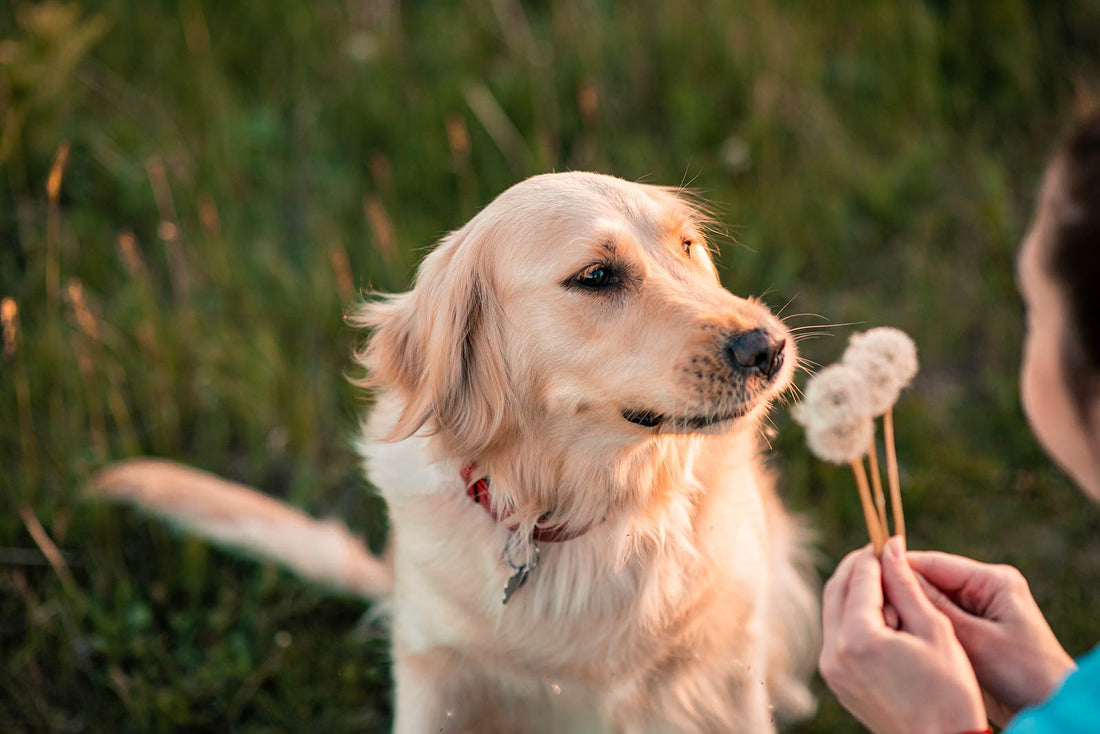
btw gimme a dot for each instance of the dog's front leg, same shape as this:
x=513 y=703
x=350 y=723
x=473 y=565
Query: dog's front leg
x=694 y=697
x=441 y=692
x=424 y=696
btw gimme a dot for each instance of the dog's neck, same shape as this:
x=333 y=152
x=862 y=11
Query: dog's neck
x=641 y=486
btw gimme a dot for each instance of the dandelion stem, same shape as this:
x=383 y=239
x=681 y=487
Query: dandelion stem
x=874 y=529
x=892 y=472
x=876 y=485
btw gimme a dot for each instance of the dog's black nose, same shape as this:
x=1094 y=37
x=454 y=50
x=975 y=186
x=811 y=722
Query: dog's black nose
x=755 y=352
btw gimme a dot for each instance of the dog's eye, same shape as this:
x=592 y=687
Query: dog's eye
x=686 y=244
x=598 y=276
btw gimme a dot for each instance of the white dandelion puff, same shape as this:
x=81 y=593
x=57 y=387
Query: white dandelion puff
x=893 y=344
x=880 y=378
x=840 y=443
x=888 y=344
x=837 y=395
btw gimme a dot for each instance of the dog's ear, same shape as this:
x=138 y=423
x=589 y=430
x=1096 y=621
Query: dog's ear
x=439 y=346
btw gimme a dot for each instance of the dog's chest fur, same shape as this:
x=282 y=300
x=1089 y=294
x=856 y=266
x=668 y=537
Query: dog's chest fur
x=635 y=591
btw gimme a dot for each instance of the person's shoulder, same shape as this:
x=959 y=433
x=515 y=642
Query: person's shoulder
x=1090 y=662
x=1073 y=709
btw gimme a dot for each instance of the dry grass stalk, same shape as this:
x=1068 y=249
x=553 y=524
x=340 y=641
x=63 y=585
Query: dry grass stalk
x=168 y=230
x=381 y=171
x=53 y=225
x=82 y=316
x=514 y=26
x=57 y=172
x=208 y=215
x=9 y=324
x=48 y=547
x=458 y=138
x=497 y=123
x=116 y=403
x=341 y=270
x=382 y=228
x=588 y=101
x=196 y=34
x=131 y=256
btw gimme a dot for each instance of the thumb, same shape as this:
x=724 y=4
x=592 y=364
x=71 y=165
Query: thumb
x=903 y=590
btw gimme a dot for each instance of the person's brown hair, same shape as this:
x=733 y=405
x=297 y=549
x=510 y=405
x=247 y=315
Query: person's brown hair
x=1073 y=257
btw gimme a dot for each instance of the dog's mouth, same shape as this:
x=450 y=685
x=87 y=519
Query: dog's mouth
x=653 y=419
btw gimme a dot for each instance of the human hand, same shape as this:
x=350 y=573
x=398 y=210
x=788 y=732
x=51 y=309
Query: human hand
x=912 y=679
x=1015 y=655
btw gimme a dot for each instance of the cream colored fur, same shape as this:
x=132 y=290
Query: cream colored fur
x=688 y=605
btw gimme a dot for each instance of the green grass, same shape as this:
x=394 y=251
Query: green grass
x=875 y=162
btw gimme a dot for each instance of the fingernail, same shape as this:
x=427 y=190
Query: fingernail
x=894 y=547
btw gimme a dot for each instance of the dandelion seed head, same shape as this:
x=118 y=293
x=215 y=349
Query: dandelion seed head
x=840 y=443
x=837 y=395
x=890 y=344
x=887 y=358
x=883 y=386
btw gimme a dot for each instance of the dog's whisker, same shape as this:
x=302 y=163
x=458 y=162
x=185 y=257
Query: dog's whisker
x=765 y=292
x=827 y=326
x=810 y=327
x=806 y=314
x=779 y=313
x=808 y=366
x=806 y=335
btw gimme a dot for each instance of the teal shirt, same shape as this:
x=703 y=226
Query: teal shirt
x=1073 y=709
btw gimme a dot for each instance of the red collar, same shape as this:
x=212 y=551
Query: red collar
x=478 y=491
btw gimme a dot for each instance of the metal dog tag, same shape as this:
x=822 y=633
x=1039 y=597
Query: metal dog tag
x=519 y=578
x=523 y=569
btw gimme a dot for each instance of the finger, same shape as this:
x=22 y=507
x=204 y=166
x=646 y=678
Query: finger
x=863 y=606
x=917 y=614
x=960 y=618
x=890 y=617
x=836 y=591
x=978 y=588
x=947 y=572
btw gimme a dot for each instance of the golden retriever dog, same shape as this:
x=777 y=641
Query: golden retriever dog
x=567 y=434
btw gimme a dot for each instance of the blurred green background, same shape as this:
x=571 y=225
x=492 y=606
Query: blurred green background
x=192 y=192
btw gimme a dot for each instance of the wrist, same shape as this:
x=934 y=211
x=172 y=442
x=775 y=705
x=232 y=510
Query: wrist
x=971 y=717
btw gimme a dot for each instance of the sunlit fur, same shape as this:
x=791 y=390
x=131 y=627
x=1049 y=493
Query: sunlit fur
x=687 y=605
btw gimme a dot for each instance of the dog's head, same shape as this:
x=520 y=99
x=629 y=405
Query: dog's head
x=575 y=306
